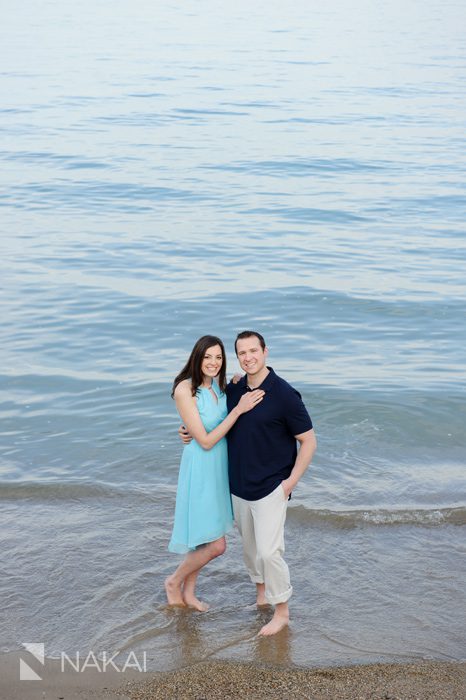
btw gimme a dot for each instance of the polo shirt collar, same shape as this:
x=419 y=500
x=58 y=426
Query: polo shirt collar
x=266 y=384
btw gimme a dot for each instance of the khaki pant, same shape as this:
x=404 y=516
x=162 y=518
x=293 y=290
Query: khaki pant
x=261 y=525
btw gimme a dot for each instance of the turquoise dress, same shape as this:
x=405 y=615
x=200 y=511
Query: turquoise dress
x=203 y=511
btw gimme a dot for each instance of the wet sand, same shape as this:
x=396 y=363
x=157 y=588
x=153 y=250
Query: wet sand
x=56 y=684
x=214 y=680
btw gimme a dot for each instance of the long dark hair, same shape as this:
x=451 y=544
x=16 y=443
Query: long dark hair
x=192 y=369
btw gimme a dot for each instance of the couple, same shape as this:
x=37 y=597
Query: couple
x=259 y=465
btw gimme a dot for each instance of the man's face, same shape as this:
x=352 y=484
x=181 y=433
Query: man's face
x=250 y=355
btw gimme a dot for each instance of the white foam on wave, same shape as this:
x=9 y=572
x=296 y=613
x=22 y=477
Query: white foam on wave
x=379 y=516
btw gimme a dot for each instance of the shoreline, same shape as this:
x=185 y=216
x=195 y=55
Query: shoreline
x=212 y=680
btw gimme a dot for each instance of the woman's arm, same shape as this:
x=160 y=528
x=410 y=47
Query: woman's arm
x=187 y=408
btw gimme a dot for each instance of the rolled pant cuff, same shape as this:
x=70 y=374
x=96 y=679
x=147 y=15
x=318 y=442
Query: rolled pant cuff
x=256 y=579
x=281 y=598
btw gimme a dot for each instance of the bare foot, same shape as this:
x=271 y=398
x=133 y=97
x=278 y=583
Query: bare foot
x=195 y=603
x=261 y=602
x=276 y=624
x=173 y=591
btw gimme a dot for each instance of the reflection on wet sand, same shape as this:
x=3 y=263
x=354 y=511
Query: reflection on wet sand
x=275 y=650
x=196 y=637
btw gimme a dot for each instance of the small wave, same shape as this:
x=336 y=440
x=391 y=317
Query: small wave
x=301 y=166
x=123 y=196
x=379 y=516
x=47 y=492
x=308 y=214
x=202 y=112
x=71 y=162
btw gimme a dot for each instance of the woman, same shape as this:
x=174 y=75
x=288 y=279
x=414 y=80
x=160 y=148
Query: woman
x=203 y=512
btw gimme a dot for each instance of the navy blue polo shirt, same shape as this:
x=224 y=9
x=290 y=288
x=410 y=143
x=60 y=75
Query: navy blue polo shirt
x=261 y=444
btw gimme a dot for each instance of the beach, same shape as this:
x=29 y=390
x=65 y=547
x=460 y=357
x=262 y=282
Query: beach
x=171 y=170
x=216 y=680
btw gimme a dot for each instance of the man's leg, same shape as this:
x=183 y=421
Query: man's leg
x=245 y=524
x=260 y=595
x=269 y=515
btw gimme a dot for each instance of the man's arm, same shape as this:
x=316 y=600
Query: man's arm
x=184 y=434
x=307 y=447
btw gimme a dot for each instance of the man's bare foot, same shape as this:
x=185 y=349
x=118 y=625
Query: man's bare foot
x=173 y=591
x=262 y=602
x=195 y=603
x=276 y=624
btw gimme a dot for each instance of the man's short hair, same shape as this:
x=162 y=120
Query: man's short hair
x=250 y=334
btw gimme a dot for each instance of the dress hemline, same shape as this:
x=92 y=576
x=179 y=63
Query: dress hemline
x=182 y=548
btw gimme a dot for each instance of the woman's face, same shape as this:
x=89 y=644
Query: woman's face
x=212 y=362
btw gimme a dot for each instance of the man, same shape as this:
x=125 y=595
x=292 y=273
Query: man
x=264 y=467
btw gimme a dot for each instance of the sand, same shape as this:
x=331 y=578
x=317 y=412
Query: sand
x=55 y=684
x=214 y=680
x=220 y=680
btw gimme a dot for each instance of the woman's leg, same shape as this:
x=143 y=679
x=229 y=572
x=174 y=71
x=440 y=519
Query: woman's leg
x=189 y=593
x=188 y=570
x=189 y=585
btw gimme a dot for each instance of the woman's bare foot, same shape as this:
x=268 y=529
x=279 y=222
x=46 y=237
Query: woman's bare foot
x=189 y=593
x=195 y=603
x=173 y=591
x=278 y=622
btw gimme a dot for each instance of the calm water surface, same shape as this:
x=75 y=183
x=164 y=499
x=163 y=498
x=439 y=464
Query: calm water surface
x=169 y=171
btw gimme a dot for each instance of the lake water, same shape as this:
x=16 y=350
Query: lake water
x=171 y=170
